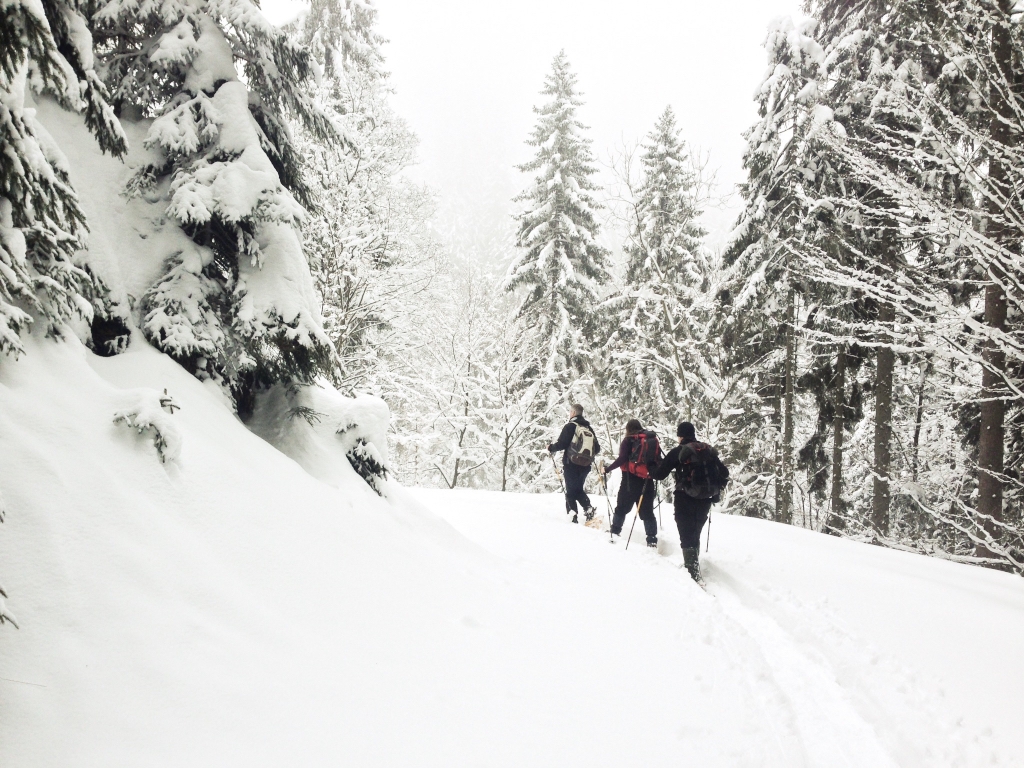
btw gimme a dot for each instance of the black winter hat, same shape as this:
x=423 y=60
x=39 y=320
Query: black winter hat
x=686 y=431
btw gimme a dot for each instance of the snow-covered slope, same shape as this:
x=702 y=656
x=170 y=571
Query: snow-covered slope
x=226 y=608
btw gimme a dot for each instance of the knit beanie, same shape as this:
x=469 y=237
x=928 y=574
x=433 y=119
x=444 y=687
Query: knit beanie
x=686 y=431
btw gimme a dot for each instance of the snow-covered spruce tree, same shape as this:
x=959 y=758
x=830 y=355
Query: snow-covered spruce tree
x=45 y=46
x=758 y=324
x=341 y=36
x=659 y=365
x=560 y=266
x=220 y=81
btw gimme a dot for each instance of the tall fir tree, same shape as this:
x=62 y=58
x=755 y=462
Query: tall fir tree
x=659 y=365
x=561 y=267
x=220 y=81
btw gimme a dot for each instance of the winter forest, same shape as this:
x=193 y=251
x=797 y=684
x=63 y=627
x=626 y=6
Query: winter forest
x=281 y=412
x=853 y=349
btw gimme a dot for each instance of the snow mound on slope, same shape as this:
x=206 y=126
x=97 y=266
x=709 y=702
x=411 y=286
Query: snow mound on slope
x=318 y=428
x=208 y=610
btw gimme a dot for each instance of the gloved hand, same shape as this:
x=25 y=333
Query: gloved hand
x=551 y=448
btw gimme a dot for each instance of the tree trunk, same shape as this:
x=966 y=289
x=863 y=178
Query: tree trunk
x=883 y=427
x=990 y=443
x=786 y=498
x=504 y=463
x=919 y=418
x=776 y=390
x=836 y=521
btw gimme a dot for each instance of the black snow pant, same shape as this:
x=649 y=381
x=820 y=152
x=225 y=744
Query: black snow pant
x=691 y=514
x=575 y=477
x=630 y=490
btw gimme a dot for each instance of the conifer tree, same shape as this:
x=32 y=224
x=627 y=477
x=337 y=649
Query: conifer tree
x=658 y=363
x=960 y=82
x=560 y=267
x=759 y=323
x=46 y=46
x=220 y=81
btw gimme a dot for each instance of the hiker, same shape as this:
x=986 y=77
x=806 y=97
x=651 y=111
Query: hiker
x=700 y=478
x=579 y=445
x=638 y=454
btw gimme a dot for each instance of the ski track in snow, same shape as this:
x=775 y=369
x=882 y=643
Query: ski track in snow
x=824 y=696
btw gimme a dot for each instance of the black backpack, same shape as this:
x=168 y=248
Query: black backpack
x=701 y=474
x=644 y=452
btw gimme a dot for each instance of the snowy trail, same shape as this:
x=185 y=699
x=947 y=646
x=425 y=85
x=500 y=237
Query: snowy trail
x=231 y=609
x=803 y=688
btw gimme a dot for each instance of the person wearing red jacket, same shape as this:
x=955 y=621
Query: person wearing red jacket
x=636 y=485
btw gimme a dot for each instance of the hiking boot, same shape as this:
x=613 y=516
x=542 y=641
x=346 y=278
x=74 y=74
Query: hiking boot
x=652 y=544
x=574 y=518
x=691 y=560
x=589 y=514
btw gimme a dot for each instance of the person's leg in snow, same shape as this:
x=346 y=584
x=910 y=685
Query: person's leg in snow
x=647 y=513
x=575 y=477
x=631 y=489
x=691 y=514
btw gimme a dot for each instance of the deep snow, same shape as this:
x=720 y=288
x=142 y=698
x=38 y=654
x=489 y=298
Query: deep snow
x=226 y=608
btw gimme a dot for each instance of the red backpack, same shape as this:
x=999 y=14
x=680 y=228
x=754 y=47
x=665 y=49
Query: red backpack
x=643 y=453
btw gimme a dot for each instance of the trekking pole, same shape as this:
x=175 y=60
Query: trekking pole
x=634 y=520
x=557 y=473
x=707 y=545
x=603 y=482
x=657 y=495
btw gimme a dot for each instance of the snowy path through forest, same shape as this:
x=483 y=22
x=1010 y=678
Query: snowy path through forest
x=792 y=657
x=229 y=608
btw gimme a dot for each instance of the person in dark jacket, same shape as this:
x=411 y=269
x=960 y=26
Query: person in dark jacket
x=690 y=513
x=633 y=488
x=574 y=474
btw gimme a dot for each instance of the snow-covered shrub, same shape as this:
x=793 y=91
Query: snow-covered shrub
x=327 y=433
x=219 y=79
x=360 y=425
x=367 y=462
x=151 y=412
x=48 y=47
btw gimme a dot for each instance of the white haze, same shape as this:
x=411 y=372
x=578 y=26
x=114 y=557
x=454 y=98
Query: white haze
x=466 y=74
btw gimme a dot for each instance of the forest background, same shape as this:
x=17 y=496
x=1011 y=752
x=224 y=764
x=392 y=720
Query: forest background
x=850 y=343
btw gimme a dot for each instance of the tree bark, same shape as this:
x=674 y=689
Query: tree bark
x=883 y=427
x=919 y=419
x=990 y=443
x=836 y=521
x=786 y=497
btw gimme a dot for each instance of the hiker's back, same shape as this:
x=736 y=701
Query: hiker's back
x=644 y=454
x=701 y=473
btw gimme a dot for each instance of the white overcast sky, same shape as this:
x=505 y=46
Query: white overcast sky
x=466 y=73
